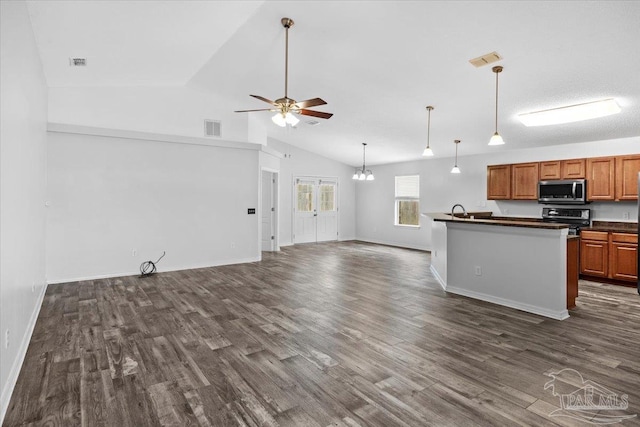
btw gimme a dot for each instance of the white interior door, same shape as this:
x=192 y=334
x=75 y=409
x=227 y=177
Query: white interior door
x=327 y=219
x=316 y=210
x=268 y=211
x=305 y=211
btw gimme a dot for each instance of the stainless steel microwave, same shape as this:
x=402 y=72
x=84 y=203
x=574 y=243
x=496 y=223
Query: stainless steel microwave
x=563 y=192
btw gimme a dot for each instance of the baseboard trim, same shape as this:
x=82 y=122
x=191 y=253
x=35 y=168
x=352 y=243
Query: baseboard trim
x=553 y=314
x=394 y=245
x=435 y=273
x=164 y=270
x=7 y=390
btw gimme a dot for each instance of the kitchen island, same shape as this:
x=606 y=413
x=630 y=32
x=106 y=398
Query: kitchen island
x=516 y=263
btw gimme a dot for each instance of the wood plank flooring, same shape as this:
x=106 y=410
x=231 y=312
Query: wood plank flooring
x=333 y=334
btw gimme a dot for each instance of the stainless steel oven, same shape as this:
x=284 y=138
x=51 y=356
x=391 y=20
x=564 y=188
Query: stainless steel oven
x=575 y=218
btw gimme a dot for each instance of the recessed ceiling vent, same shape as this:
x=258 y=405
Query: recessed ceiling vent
x=485 y=59
x=212 y=128
x=312 y=122
x=78 y=62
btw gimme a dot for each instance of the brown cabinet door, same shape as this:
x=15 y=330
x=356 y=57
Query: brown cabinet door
x=499 y=182
x=524 y=181
x=627 y=169
x=574 y=169
x=594 y=258
x=601 y=178
x=623 y=263
x=550 y=170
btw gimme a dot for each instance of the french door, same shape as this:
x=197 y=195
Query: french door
x=315 y=210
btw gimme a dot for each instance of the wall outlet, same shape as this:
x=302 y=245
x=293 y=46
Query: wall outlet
x=435 y=254
x=6 y=338
x=233 y=245
x=625 y=215
x=134 y=252
x=477 y=270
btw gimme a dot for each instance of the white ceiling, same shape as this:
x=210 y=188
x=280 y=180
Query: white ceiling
x=378 y=64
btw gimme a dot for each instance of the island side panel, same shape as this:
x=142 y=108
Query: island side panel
x=523 y=268
x=439 y=252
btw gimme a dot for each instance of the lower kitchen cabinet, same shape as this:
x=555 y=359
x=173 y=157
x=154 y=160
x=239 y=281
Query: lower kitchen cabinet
x=624 y=256
x=609 y=255
x=594 y=253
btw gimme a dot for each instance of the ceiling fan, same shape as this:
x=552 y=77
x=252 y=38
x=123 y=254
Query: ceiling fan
x=286 y=107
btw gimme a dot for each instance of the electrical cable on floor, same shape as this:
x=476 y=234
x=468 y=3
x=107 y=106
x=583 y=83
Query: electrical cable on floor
x=147 y=268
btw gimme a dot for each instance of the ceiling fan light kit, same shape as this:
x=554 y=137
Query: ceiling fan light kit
x=286 y=108
x=363 y=174
x=496 y=139
x=428 y=152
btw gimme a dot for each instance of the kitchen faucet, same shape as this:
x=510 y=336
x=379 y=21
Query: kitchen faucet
x=454 y=207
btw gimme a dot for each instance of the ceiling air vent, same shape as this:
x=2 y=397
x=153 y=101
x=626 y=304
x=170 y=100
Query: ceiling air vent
x=78 y=62
x=212 y=128
x=485 y=59
x=312 y=122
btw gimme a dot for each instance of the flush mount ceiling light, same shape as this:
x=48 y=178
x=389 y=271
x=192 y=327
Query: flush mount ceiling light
x=427 y=151
x=455 y=168
x=496 y=139
x=571 y=113
x=285 y=107
x=363 y=174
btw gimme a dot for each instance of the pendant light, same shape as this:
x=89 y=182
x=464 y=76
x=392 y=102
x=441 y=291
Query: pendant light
x=456 y=169
x=363 y=174
x=496 y=139
x=427 y=151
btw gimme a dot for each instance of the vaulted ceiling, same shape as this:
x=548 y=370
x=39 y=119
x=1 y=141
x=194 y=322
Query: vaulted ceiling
x=378 y=64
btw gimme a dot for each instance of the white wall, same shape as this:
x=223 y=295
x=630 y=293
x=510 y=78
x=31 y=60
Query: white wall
x=164 y=110
x=439 y=190
x=23 y=113
x=298 y=162
x=110 y=196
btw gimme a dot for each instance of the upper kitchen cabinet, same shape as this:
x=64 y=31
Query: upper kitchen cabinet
x=574 y=169
x=601 y=178
x=524 y=181
x=563 y=169
x=499 y=182
x=550 y=170
x=627 y=169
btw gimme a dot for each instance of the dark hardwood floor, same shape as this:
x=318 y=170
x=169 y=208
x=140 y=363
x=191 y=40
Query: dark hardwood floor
x=333 y=334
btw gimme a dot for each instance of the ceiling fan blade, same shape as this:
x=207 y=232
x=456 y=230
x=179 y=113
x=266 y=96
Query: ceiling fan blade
x=310 y=103
x=262 y=98
x=248 y=111
x=320 y=114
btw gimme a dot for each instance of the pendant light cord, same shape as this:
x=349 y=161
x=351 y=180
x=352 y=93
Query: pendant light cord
x=364 y=149
x=429 y=127
x=497 y=101
x=456 y=153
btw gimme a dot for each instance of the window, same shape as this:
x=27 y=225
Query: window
x=327 y=197
x=305 y=197
x=408 y=200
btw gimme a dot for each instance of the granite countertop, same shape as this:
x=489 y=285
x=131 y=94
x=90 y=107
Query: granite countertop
x=613 y=226
x=501 y=221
